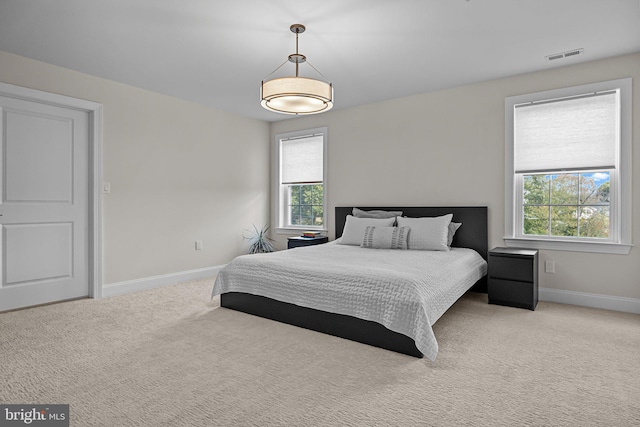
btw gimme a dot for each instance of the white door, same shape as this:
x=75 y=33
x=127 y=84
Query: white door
x=44 y=185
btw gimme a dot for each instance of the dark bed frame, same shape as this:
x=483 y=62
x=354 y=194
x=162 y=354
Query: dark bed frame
x=472 y=234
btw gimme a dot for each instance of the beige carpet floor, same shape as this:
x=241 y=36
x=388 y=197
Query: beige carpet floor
x=173 y=357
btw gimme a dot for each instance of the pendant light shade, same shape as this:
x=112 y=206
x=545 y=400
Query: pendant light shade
x=296 y=95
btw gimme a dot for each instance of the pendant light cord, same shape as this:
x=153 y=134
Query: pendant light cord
x=277 y=68
x=297 y=64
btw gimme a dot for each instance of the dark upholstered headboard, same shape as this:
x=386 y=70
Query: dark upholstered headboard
x=472 y=234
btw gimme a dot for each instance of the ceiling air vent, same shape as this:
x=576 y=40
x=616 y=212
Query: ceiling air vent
x=558 y=56
x=573 y=52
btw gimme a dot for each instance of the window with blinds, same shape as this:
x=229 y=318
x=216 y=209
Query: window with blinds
x=301 y=188
x=565 y=151
x=579 y=133
x=302 y=160
x=567 y=179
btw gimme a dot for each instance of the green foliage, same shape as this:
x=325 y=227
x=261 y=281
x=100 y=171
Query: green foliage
x=568 y=205
x=259 y=241
x=306 y=204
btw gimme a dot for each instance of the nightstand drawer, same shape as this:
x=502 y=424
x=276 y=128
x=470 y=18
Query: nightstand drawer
x=298 y=242
x=511 y=268
x=512 y=293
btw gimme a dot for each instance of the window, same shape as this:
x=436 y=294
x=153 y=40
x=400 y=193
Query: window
x=300 y=182
x=567 y=205
x=568 y=168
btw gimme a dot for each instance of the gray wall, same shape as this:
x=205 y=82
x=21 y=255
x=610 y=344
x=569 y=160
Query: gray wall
x=179 y=172
x=447 y=148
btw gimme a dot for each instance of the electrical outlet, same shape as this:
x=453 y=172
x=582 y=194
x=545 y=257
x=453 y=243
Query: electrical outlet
x=198 y=245
x=549 y=266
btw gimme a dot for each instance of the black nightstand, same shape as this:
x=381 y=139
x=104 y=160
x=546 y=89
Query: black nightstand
x=513 y=277
x=296 y=242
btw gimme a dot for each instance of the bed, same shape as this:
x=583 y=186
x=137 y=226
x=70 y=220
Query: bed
x=325 y=284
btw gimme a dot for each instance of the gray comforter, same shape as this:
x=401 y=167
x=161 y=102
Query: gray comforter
x=404 y=290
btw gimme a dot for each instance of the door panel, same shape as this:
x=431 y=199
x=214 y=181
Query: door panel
x=38 y=252
x=44 y=203
x=39 y=153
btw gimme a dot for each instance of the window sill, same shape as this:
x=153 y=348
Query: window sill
x=560 y=245
x=298 y=230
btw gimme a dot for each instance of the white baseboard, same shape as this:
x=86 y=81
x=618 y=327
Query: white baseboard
x=121 y=288
x=628 y=305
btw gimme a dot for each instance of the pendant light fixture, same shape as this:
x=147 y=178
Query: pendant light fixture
x=296 y=95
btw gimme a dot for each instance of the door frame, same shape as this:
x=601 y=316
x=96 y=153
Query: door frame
x=94 y=111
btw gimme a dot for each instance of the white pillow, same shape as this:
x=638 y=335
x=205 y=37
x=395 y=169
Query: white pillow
x=385 y=237
x=429 y=233
x=354 y=228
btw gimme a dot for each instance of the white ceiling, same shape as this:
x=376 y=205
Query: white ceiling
x=216 y=52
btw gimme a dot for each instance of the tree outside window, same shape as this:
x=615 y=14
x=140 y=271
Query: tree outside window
x=306 y=204
x=567 y=205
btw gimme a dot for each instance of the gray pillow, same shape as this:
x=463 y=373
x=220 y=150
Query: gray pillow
x=359 y=213
x=385 y=237
x=453 y=227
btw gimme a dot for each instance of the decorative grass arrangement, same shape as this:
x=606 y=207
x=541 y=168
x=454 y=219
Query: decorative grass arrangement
x=259 y=241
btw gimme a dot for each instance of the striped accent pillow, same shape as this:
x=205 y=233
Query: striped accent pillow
x=385 y=237
x=354 y=228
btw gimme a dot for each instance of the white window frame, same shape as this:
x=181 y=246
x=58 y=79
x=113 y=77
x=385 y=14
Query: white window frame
x=280 y=196
x=620 y=178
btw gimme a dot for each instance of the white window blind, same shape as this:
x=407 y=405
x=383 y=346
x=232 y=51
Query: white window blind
x=578 y=133
x=302 y=160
